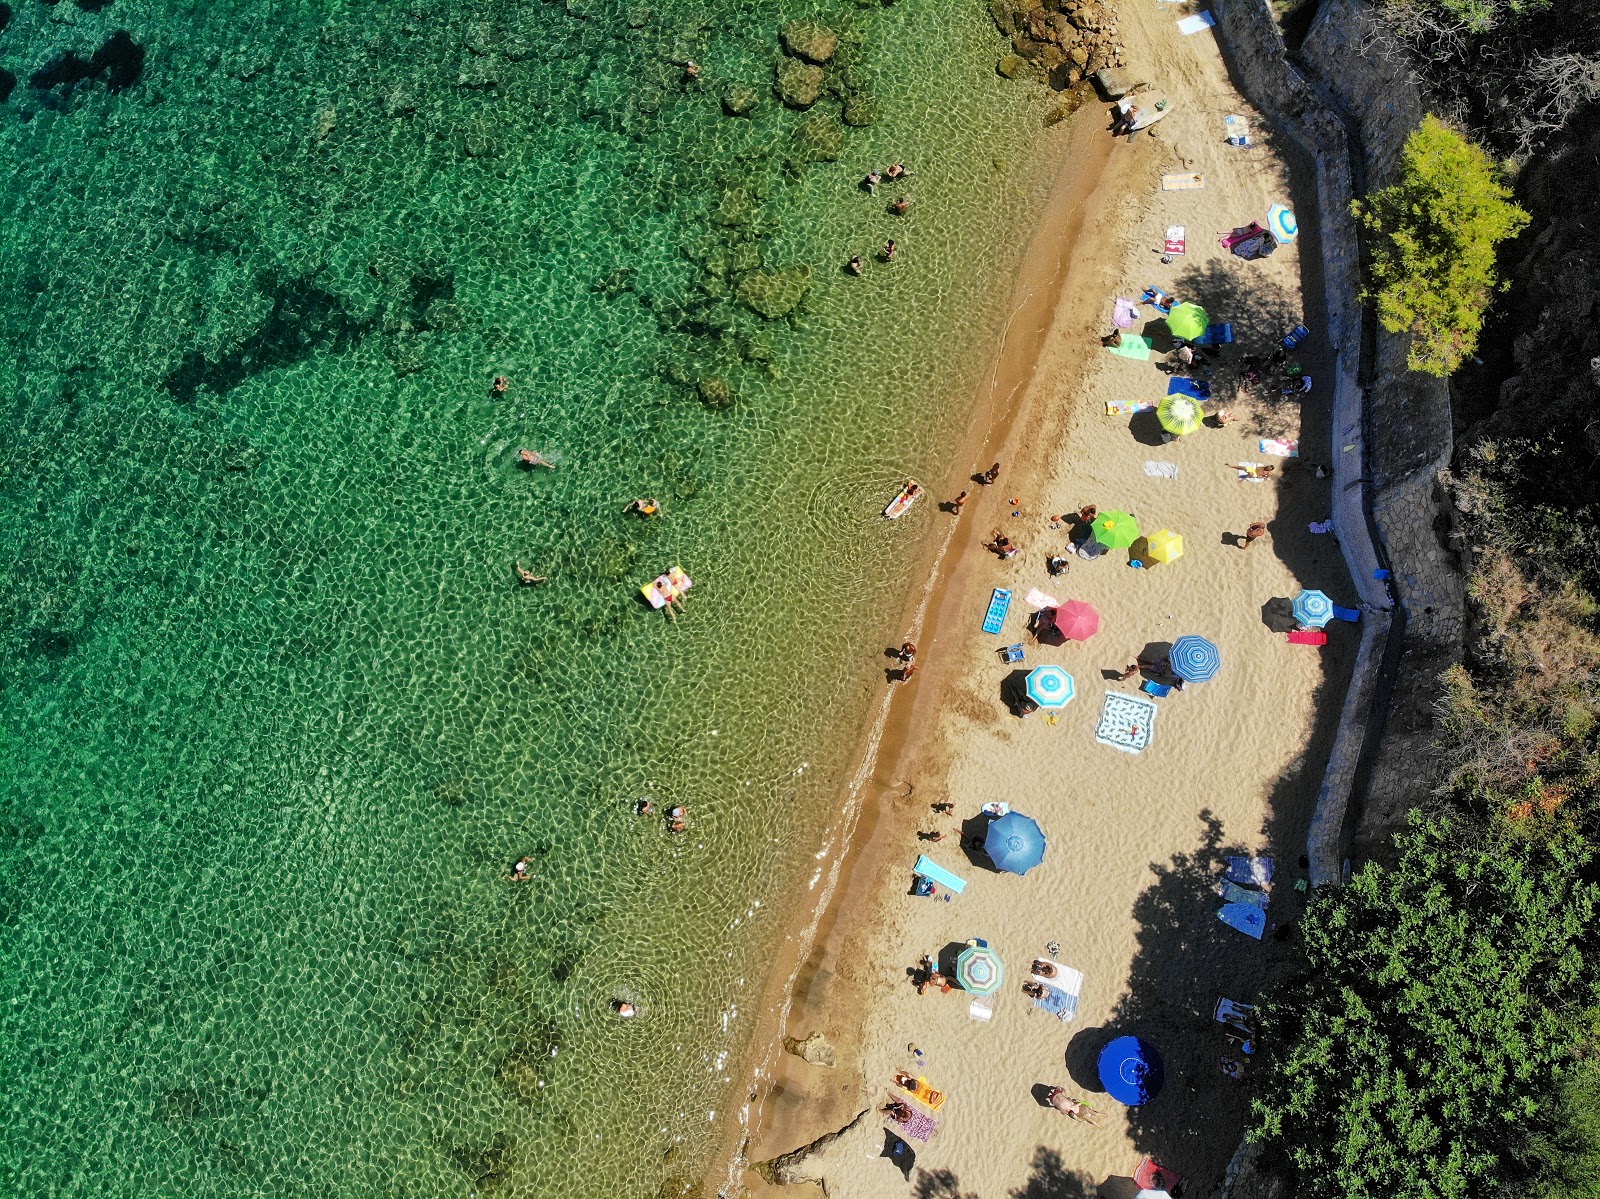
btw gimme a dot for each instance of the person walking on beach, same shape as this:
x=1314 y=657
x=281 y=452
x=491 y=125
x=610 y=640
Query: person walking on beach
x=908 y=650
x=1128 y=671
x=959 y=503
x=990 y=475
x=907 y=672
x=1254 y=533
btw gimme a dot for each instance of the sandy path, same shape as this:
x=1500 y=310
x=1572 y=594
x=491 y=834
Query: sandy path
x=1126 y=889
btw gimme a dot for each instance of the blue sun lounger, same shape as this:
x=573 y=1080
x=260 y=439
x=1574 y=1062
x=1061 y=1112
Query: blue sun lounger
x=1296 y=335
x=1350 y=614
x=1216 y=335
x=999 y=605
x=927 y=868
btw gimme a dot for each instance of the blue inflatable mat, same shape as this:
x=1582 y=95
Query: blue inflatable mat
x=929 y=869
x=1193 y=388
x=999 y=605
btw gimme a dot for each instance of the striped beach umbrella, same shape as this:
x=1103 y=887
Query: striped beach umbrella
x=1179 y=415
x=978 y=970
x=1164 y=546
x=1188 y=321
x=1313 y=609
x=1050 y=687
x=1282 y=224
x=1115 y=530
x=1194 y=659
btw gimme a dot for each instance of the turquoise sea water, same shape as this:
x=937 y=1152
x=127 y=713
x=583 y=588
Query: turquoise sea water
x=276 y=717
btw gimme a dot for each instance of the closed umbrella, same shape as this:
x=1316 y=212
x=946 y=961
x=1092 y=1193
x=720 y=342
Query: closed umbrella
x=1313 y=609
x=1188 y=321
x=1050 y=687
x=1115 y=530
x=978 y=970
x=1014 y=843
x=1130 y=1070
x=1179 y=415
x=1077 y=620
x=1164 y=546
x=1282 y=223
x=1194 y=659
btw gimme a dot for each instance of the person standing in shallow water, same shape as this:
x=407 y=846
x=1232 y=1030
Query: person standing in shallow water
x=993 y=473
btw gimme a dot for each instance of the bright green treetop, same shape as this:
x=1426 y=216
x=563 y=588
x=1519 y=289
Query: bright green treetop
x=1432 y=237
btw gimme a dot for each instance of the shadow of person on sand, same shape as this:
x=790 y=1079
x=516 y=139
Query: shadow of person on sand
x=973 y=831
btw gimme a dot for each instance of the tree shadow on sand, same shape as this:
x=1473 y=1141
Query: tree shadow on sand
x=1050 y=1178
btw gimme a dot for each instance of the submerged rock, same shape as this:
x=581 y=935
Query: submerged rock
x=1013 y=66
x=810 y=41
x=775 y=293
x=798 y=84
x=818 y=139
x=860 y=110
x=715 y=393
x=521 y=1072
x=740 y=100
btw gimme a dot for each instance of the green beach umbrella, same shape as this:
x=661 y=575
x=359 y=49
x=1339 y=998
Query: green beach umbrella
x=1115 y=530
x=1180 y=415
x=978 y=970
x=1187 y=321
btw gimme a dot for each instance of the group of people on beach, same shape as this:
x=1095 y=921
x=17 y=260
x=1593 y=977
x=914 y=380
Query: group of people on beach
x=898 y=207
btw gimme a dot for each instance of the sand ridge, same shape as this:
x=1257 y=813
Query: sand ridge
x=1126 y=890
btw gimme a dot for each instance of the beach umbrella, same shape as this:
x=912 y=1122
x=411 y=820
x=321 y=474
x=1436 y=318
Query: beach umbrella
x=1188 y=321
x=1313 y=609
x=1050 y=687
x=1180 y=415
x=1077 y=620
x=978 y=970
x=1115 y=530
x=1194 y=659
x=1014 y=843
x=1164 y=546
x=1282 y=223
x=1130 y=1071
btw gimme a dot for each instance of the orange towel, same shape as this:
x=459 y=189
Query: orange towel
x=923 y=1093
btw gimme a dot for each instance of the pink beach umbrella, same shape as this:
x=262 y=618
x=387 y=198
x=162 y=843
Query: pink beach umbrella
x=1077 y=620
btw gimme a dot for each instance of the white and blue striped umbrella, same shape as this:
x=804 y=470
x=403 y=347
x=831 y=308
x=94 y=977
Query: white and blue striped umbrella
x=1194 y=659
x=1313 y=609
x=1050 y=687
x=1282 y=224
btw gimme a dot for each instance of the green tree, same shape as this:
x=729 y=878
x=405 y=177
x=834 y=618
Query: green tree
x=1432 y=239
x=1475 y=16
x=1440 y=1001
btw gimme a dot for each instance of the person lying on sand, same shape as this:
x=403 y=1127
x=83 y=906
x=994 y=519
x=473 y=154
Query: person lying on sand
x=1253 y=470
x=1076 y=1109
x=1043 y=968
x=897 y=1110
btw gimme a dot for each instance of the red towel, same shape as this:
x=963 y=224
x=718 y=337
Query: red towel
x=1308 y=637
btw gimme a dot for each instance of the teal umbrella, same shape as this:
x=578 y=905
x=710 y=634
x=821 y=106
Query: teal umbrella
x=978 y=970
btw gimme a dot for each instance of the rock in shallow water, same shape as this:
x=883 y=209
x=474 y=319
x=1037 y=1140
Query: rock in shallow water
x=815 y=1049
x=810 y=41
x=775 y=293
x=798 y=84
x=740 y=100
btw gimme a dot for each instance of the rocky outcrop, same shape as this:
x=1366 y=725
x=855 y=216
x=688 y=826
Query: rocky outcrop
x=1063 y=40
x=798 y=84
x=775 y=293
x=815 y=1049
x=810 y=41
x=788 y=1169
x=740 y=100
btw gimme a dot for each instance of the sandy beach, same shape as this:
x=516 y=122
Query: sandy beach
x=1128 y=890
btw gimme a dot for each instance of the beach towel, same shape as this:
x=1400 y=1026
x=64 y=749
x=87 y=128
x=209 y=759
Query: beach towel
x=1234 y=893
x=1061 y=993
x=920 y=1127
x=1252 y=872
x=1125 y=722
x=1284 y=448
x=1190 y=26
x=1158 y=299
x=1175 y=242
x=1245 y=917
x=1349 y=615
x=1133 y=345
x=1236 y=129
x=1308 y=637
x=1161 y=470
x=999 y=605
x=1242 y=233
x=1129 y=407
x=1248 y=474
x=1193 y=388
x=1066 y=978
x=929 y=869
x=1126 y=314
x=1058 y=1003
x=926 y=1095
x=1216 y=335
x=1038 y=599
x=1234 y=1014
x=981 y=1008
x=1183 y=183
x=1151 y=1175
x=1259 y=245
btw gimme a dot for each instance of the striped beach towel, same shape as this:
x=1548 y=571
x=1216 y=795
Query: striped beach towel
x=1175 y=241
x=1183 y=183
x=1129 y=407
x=1283 y=448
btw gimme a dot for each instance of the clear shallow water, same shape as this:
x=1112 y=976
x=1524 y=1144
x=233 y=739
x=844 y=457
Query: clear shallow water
x=276 y=719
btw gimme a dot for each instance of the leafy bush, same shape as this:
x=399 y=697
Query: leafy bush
x=1475 y=16
x=1440 y=1002
x=1432 y=237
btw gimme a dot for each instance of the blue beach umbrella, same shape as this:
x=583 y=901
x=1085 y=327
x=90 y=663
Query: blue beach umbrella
x=978 y=970
x=1130 y=1071
x=1014 y=843
x=1282 y=224
x=1313 y=609
x=1050 y=687
x=1194 y=659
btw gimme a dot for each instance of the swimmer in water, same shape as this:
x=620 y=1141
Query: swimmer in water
x=533 y=458
x=678 y=819
x=624 y=1009
x=644 y=507
x=527 y=578
x=500 y=386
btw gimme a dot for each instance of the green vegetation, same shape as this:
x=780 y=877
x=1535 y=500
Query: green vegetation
x=1432 y=237
x=1476 y=16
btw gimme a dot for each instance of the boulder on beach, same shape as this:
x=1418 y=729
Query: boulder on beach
x=740 y=100
x=815 y=1049
x=798 y=84
x=1115 y=83
x=810 y=41
x=775 y=293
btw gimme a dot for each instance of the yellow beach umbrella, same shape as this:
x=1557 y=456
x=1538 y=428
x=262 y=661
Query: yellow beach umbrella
x=1164 y=546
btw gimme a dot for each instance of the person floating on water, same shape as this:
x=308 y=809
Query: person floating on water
x=644 y=507
x=624 y=1009
x=691 y=71
x=897 y=171
x=645 y=807
x=870 y=183
x=527 y=578
x=519 y=872
x=500 y=386
x=678 y=819
x=533 y=458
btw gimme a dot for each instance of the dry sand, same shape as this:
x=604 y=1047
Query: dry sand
x=1127 y=886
